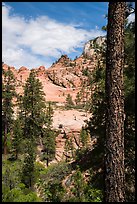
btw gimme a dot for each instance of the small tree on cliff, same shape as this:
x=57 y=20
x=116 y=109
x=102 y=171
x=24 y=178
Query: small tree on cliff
x=84 y=137
x=69 y=101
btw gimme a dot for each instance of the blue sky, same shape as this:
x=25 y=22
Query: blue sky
x=88 y=13
x=38 y=33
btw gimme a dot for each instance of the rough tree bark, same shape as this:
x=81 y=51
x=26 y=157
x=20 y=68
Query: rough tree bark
x=5 y=139
x=114 y=155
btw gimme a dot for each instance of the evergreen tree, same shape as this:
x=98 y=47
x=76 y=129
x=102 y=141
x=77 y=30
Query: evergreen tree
x=69 y=101
x=27 y=176
x=49 y=135
x=8 y=92
x=84 y=137
x=20 y=111
x=49 y=115
x=38 y=117
x=34 y=118
x=78 y=98
x=69 y=150
x=17 y=137
x=34 y=107
x=48 y=141
x=79 y=186
x=96 y=124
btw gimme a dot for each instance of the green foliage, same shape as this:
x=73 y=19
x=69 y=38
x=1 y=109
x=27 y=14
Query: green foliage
x=9 y=142
x=49 y=115
x=33 y=105
x=94 y=195
x=48 y=141
x=48 y=136
x=38 y=170
x=104 y=28
x=69 y=150
x=56 y=172
x=8 y=92
x=54 y=192
x=17 y=195
x=50 y=182
x=27 y=128
x=82 y=190
x=69 y=101
x=86 y=72
x=79 y=185
x=17 y=137
x=10 y=173
x=12 y=188
x=27 y=176
x=79 y=154
x=78 y=98
x=84 y=137
x=96 y=125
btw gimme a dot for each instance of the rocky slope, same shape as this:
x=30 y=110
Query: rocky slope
x=64 y=77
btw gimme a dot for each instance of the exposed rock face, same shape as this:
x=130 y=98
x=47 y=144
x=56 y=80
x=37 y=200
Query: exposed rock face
x=69 y=122
x=22 y=69
x=90 y=46
x=69 y=74
x=64 y=77
x=5 y=66
x=100 y=40
x=41 y=71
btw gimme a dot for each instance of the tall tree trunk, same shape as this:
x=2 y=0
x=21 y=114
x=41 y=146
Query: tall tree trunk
x=5 y=138
x=114 y=155
x=47 y=158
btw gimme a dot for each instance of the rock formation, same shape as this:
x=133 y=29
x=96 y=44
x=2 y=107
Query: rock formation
x=64 y=77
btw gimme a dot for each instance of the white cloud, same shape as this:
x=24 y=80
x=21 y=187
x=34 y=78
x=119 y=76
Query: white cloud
x=33 y=42
x=131 y=18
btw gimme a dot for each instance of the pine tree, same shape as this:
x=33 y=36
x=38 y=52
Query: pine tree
x=84 y=137
x=34 y=107
x=49 y=115
x=17 y=137
x=114 y=159
x=79 y=186
x=8 y=92
x=33 y=110
x=49 y=135
x=78 y=99
x=27 y=176
x=96 y=124
x=69 y=150
x=48 y=141
x=69 y=101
